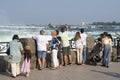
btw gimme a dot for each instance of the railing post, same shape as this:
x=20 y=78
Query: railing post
x=118 y=49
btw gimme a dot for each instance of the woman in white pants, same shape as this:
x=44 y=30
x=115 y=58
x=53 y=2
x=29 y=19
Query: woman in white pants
x=54 y=45
x=15 y=55
x=79 y=47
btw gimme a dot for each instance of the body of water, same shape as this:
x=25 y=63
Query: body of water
x=6 y=32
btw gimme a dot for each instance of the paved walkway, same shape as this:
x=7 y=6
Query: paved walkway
x=73 y=72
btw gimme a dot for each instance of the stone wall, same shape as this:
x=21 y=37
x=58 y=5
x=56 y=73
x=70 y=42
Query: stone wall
x=29 y=41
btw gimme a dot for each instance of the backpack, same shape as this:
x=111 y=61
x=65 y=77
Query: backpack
x=60 y=44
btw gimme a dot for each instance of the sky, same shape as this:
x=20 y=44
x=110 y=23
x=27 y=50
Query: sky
x=58 y=11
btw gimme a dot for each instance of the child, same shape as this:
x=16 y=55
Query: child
x=26 y=63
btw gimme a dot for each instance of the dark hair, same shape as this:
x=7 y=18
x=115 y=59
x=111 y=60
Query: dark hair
x=57 y=31
x=15 y=37
x=105 y=33
x=82 y=30
x=42 y=32
x=62 y=29
x=27 y=55
x=110 y=36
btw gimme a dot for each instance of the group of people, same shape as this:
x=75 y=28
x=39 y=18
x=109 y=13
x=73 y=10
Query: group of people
x=59 y=44
x=16 y=49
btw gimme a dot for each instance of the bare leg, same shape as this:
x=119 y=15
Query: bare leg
x=70 y=59
x=39 y=62
x=64 y=59
x=43 y=63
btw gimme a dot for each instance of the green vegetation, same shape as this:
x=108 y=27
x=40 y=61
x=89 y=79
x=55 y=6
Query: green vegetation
x=106 y=23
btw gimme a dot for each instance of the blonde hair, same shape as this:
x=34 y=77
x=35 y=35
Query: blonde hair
x=54 y=33
x=77 y=36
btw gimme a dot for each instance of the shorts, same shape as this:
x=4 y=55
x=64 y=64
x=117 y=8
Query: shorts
x=41 y=54
x=66 y=50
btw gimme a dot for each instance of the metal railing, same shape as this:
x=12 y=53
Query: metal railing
x=3 y=48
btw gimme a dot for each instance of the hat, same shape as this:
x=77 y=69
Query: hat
x=27 y=47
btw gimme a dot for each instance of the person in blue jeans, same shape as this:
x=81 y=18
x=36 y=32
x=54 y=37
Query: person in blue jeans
x=84 y=54
x=83 y=36
x=106 y=52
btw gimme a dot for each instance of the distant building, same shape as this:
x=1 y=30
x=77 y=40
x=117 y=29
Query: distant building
x=84 y=23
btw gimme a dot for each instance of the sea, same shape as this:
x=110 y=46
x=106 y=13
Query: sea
x=7 y=32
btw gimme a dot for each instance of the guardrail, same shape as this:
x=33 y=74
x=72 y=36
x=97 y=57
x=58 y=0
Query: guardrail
x=3 y=47
x=116 y=44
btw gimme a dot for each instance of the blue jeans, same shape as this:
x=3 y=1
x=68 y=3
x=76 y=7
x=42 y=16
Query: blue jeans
x=84 y=54
x=106 y=56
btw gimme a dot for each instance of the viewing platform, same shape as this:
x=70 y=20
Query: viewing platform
x=73 y=72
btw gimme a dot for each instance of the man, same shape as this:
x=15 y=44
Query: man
x=41 y=48
x=66 y=45
x=83 y=37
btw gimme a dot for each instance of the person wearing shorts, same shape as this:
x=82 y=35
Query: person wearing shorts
x=66 y=46
x=42 y=42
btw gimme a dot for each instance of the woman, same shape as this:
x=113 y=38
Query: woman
x=106 y=46
x=54 y=45
x=15 y=55
x=79 y=47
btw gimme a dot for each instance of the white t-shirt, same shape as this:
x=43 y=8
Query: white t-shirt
x=79 y=42
x=41 y=42
x=83 y=37
x=65 y=39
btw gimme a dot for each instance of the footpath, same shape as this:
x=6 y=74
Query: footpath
x=73 y=72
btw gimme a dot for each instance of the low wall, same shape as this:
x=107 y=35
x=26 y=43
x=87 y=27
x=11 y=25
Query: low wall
x=29 y=41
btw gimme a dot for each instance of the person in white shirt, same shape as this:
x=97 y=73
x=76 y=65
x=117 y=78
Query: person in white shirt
x=83 y=38
x=79 y=47
x=66 y=46
x=41 y=48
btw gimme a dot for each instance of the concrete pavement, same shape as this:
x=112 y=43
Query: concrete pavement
x=73 y=72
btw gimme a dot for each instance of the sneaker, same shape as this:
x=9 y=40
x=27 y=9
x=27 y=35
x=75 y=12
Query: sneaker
x=27 y=74
x=64 y=64
x=69 y=64
x=40 y=68
x=13 y=76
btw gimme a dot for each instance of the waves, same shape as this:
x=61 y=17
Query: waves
x=6 y=32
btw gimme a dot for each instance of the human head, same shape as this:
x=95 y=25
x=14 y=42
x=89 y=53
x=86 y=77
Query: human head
x=82 y=30
x=42 y=32
x=105 y=34
x=77 y=36
x=62 y=29
x=15 y=37
x=54 y=33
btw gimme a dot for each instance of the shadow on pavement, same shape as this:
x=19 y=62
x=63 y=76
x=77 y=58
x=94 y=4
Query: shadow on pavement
x=117 y=75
